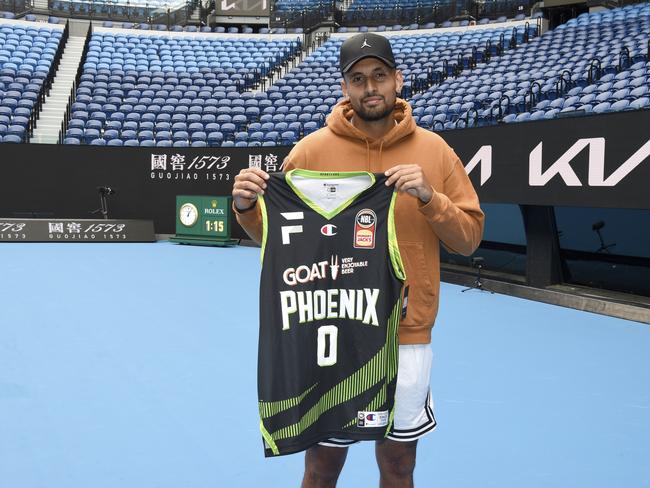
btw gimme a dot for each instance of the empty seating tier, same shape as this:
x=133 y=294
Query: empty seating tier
x=26 y=57
x=597 y=62
x=142 y=89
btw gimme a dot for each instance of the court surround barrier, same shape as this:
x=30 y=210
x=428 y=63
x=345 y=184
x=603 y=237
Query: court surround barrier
x=601 y=162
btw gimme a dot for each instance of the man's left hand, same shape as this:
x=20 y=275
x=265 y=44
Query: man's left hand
x=411 y=179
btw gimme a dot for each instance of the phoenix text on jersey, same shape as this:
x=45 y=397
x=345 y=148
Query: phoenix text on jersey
x=334 y=303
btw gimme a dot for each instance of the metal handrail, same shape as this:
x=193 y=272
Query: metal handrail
x=624 y=52
x=533 y=95
x=526 y=35
x=468 y=112
x=597 y=67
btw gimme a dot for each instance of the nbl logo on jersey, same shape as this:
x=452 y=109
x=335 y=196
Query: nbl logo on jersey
x=365 y=224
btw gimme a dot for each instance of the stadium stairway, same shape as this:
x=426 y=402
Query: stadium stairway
x=54 y=108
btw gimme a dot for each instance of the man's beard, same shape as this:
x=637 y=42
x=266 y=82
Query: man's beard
x=372 y=116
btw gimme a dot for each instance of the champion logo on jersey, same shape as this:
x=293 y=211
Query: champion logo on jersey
x=328 y=230
x=372 y=419
x=364 y=229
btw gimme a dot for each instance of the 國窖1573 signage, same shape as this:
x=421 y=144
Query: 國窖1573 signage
x=76 y=230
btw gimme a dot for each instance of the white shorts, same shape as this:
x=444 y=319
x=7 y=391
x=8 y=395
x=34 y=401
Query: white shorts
x=413 y=405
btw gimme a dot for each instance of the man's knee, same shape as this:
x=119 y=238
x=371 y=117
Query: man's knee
x=323 y=465
x=396 y=459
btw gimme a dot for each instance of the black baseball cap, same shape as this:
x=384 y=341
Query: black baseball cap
x=366 y=45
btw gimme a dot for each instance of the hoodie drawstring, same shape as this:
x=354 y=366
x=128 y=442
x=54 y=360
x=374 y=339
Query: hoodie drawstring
x=381 y=148
x=368 y=153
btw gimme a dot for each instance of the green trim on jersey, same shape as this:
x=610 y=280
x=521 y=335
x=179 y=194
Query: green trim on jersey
x=269 y=440
x=265 y=226
x=393 y=247
x=323 y=175
x=269 y=409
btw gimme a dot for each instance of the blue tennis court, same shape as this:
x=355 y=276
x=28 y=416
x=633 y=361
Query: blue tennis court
x=134 y=365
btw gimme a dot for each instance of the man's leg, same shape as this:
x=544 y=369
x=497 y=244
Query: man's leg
x=396 y=462
x=323 y=466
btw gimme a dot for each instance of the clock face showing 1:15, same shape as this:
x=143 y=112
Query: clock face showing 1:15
x=188 y=214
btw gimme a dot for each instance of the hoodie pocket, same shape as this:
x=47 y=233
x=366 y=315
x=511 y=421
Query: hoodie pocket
x=421 y=295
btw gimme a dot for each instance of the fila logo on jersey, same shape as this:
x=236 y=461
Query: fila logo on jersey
x=364 y=229
x=287 y=230
x=328 y=230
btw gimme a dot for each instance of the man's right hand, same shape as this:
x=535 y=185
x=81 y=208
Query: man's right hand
x=249 y=183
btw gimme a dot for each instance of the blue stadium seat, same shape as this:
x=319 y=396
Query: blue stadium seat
x=620 y=105
x=14 y=139
x=288 y=138
x=215 y=139
x=603 y=107
x=640 y=103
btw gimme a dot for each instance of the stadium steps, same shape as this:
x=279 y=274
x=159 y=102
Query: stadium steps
x=54 y=108
x=195 y=16
x=41 y=5
x=282 y=71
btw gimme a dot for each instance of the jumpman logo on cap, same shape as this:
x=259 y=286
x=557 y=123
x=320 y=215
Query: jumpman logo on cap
x=365 y=43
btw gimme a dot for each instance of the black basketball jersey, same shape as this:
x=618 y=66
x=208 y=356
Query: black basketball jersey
x=330 y=304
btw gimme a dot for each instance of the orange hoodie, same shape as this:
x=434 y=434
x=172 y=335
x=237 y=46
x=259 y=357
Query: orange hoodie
x=453 y=215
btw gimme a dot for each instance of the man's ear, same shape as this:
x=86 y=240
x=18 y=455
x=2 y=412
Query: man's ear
x=344 y=88
x=399 y=81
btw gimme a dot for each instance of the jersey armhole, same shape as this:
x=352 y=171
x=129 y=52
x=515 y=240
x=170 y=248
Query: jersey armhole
x=393 y=247
x=265 y=226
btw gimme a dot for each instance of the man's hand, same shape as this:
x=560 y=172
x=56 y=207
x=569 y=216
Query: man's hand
x=249 y=183
x=411 y=179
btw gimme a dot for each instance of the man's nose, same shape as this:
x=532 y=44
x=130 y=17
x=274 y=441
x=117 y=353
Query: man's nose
x=371 y=85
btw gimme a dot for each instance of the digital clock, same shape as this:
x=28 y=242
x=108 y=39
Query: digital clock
x=214 y=226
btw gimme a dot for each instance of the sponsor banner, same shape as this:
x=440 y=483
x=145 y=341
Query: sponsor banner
x=57 y=181
x=242 y=7
x=79 y=230
x=595 y=161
